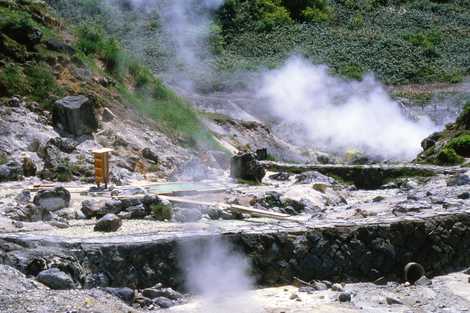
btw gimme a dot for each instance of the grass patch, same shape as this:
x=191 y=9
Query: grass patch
x=448 y=156
x=36 y=81
x=176 y=117
x=461 y=145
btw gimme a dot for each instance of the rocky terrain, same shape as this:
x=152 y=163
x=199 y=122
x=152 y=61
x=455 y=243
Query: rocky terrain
x=207 y=208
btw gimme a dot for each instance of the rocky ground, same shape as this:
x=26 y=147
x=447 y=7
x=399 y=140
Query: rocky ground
x=52 y=224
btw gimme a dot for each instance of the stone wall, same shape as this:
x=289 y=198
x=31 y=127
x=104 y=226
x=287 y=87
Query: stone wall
x=351 y=253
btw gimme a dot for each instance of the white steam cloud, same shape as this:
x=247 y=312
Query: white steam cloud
x=337 y=115
x=187 y=23
x=219 y=275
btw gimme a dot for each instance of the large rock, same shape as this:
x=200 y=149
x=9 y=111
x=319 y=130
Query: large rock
x=149 y=154
x=245 y=166
x=52 y=200
x=75 y=115
x=29 y=168
x=125 y=294
x=55 y=279
x=108 y=223
x=10 y=171
x=23 y=33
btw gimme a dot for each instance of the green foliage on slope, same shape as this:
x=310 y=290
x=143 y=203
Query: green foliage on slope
x=412 y=41
x=139 y=87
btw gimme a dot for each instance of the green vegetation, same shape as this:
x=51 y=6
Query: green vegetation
x=3 y=159
x=461 y=145
x=140 y=88
x=401 y=42
x=24 y=26
x=448 y=156
x=453 y=143
x=161 y=211
x=36 y=81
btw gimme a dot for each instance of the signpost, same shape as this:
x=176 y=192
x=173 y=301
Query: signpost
x=102 y=157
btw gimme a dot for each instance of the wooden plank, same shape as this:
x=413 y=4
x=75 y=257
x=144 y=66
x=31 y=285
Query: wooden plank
x=235 y=207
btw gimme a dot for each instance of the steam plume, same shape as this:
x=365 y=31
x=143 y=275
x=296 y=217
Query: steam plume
x=218 y=274
x=337 y=115
x=187 y=24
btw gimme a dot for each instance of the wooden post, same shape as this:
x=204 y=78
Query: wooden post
x=102 y=166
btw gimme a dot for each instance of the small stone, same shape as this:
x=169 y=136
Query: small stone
x=391 y=301
x=293 y=296
x=52 y=200
x=423 y=281
x=380 y=281
x=125 y=294
x=163 y=302
x=107 y=115
x=23 y=197
x=90 y=208
x=185 y=215
x=337 y=287
x=464 y=196
x=55 y=279
x=108 y=223
x=307 y=289
x=282 y=176
x=344 y=297
x=320 y=285
x=149 y=154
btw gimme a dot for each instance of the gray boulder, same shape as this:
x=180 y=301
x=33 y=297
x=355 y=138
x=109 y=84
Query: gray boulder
x=137 y=211
x=90 y=208
x=23 y=33
x=245 y=166
x=459 y=179
x=125 y=294
x=187 y=215
x=163 y=302
x=29 y=168
x=55 y=279
x=108 y=223
x=10 y=171
x=52 y=200
x=149 y=154
x=75 y=115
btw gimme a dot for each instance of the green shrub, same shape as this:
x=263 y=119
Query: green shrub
x=3 y=159
x=351 y=71
x=42 y=81
x=453 y=77
x=13 y=80
x=316 y=15
x=141 y=75
x=111 y=54
x=272 y=14
x=464 y=118
x=461 y=145
x=161 y=211
x=448 y=156
x=89 y=39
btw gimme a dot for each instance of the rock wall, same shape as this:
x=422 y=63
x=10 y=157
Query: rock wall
x=366 y=252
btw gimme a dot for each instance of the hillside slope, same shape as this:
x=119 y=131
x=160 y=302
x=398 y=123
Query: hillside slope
x=42 y=60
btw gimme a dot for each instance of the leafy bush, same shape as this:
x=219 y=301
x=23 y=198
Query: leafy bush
x=448 y=156
x=161 y=211
x=42 y=81
x=461 y=145
x=13 y=80
x=93 y=42
x=36 y=81
x=352 y=71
